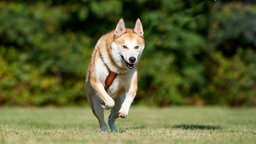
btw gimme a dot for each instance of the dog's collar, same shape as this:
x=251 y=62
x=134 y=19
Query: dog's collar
x=110 y=78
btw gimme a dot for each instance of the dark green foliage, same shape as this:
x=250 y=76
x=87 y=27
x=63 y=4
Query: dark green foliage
x=233 y=54
x=197 y=52
x=41 y=63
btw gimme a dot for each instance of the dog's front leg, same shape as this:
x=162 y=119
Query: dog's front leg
x=123 y=112
x=108 y=102
x=129 y=96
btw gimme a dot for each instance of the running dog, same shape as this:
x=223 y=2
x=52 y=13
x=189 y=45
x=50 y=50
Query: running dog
x=111 y=78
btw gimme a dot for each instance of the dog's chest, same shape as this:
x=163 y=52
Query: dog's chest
x=118 y=86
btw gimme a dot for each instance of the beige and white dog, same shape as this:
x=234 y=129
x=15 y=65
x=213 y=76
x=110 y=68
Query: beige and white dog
x=111 y=79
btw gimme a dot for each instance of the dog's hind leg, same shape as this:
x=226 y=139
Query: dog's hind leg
x=98 y=111
x=114 y=114
x=96 y=106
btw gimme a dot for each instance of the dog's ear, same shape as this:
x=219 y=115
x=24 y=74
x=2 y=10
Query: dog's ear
x=120 y=28
x=138 y=29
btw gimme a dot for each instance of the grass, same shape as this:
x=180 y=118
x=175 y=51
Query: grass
x=143 y=126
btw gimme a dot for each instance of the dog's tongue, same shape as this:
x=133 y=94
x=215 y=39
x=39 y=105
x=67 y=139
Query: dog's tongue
x=130 y=66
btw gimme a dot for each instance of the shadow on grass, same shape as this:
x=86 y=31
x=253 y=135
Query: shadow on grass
x=196 y=127
x=180 y=126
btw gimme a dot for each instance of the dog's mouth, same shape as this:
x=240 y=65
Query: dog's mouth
x=129 y=65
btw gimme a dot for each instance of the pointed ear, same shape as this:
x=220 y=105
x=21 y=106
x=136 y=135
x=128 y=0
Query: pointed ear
x=138 y=29
x=120 y=28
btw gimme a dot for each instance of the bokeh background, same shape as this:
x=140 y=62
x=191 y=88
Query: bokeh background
x=198 y=52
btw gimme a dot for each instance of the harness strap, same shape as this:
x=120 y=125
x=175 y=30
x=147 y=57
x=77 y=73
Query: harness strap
x=110 y=78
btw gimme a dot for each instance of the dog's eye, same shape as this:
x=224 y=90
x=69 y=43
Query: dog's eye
x=124 y=46
x=136 y=47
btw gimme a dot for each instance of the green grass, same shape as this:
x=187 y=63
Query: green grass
x=143 y=126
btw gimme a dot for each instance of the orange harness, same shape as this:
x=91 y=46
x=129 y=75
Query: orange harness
x=110 y=78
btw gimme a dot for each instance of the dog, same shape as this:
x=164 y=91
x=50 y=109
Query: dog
x=111 y=78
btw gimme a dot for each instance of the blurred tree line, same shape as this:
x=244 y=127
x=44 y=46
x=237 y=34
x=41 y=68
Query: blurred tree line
x=197 y=52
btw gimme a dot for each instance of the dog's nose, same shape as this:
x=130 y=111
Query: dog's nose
x=132 y=59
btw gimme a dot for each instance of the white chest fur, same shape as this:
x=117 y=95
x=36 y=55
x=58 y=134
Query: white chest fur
x=120 y=85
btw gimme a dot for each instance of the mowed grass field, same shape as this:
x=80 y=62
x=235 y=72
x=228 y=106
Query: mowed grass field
x=143 y=126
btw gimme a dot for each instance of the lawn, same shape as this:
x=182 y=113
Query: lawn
x=143 y=126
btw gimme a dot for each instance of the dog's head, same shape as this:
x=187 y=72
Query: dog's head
x=128 y=44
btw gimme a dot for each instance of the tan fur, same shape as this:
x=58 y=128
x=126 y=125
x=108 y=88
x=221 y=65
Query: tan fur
x=117 y=51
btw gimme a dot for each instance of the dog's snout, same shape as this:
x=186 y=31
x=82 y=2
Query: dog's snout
x=132 y=59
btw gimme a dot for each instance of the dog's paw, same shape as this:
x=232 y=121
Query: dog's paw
x=123 y=114
x=108 y=105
